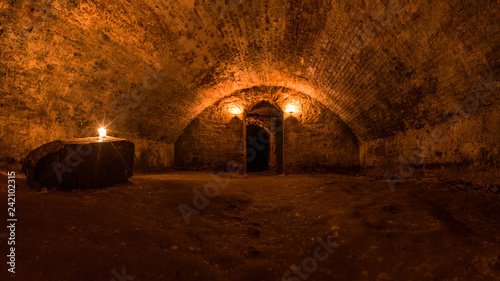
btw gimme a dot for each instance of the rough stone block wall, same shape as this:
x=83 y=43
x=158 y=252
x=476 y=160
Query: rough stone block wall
x=318 y=141
x=386 y=68
x=465 y=146
x=25 y=134
x=211 y=141
x=20 y=136
x=315 y=140
x=153 y=155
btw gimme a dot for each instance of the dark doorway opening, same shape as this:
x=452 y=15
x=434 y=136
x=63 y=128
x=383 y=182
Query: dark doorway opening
x=264 y=138
x=258 y=148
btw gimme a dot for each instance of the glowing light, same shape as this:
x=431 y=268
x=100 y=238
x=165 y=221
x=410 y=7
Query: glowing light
x=235 y=110
x=102 y=132
x=290 y=109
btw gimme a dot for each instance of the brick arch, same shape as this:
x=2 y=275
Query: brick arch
x=384 y=68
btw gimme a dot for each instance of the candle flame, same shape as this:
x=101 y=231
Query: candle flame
x=102 y=132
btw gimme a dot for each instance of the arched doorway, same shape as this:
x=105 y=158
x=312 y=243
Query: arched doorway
x=264 y=139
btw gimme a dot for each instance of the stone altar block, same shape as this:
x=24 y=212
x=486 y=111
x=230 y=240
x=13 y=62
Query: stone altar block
x=80 y=163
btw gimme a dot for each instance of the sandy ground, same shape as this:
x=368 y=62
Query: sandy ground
x=257 y=228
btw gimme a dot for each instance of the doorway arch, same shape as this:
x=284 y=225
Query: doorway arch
x=264 y=138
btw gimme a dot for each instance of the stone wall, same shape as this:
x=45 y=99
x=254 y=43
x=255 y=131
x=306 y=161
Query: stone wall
x=153 y=155
x=211 y=141
x=387 y=69
x=20 y=136
x=376 y=64
x=318 y=141
x=315 y=140
x=464 y=146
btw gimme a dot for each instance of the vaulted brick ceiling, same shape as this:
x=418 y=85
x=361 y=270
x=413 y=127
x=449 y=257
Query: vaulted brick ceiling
x=67 y=60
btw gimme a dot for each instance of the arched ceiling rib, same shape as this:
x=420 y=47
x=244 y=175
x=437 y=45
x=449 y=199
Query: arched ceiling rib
x=89 y=56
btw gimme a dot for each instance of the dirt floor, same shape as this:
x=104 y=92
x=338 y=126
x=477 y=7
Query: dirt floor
x=259 y=227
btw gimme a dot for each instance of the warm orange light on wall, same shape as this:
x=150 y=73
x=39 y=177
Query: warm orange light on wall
x=235 y=110
x=290 y=109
